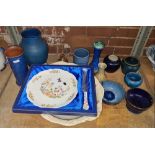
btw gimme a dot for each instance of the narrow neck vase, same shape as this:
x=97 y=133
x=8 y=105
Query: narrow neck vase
x=98 y=47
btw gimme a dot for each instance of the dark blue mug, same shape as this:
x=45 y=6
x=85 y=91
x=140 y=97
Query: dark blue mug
x=17 y=63
x=81 y=56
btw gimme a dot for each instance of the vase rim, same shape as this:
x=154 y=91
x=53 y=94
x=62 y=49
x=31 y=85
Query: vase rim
x=30 y=33
x=13 y=51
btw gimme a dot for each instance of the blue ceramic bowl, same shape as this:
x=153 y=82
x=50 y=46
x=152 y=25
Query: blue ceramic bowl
x=113 y=92
x=113 y=63
x=130 y=64
x=138 y=100
x=81 y=56
x=133 y=79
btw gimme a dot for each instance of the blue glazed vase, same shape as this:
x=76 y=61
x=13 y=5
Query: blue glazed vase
x=98 y=47
x=133 y=79
x=17 y=63
x=35 y=48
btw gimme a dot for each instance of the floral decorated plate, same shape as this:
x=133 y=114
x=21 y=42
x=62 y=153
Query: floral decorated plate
x=52 y=88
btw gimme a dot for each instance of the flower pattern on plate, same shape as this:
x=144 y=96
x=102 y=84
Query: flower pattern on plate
x=52 y=88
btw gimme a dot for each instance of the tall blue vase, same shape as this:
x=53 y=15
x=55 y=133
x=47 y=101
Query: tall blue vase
x=35 y=48
x=17 y=63
x=98 y=47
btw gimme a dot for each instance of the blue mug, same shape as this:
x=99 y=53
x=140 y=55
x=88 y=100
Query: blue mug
x=17 y=63
x=81 y=56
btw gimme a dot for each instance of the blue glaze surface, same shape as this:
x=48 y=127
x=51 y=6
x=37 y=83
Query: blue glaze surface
x=114 y=92
x=138 y=100
x=130 y=64
x=81 y=56
x=112 y=66
x=109 y=95
x=133 y=79
x=96 y=56
x=19 y=68
x=35 y=48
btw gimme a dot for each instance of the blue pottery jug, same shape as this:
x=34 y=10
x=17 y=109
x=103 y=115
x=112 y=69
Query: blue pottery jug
x=35 y=48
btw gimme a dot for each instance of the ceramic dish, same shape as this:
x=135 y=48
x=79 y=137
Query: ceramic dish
x=138 y=100
x=113 y=92
x=52 y=88
x=133 y=79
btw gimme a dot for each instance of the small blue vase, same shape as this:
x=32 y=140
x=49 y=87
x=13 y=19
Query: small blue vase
x=98 y=47
x=35 y=48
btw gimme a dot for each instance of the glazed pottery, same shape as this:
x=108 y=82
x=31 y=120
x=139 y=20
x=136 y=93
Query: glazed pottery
x=113 y=63
x=98 y=47
x=151 y=55
x=100 y=75
x=81 y=56
x=2 y=59
x=17 y=63
x=35 y=48
x=133 y=79
x=130 y=64
x=113 y=92
x=138 y=100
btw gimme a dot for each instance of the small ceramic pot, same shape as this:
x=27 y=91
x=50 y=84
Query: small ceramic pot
x=138 y=100
x=130 y=64
x=113 y=63
x=81 y=56
x=100 y=75
x=133 y=79
x=113 y=92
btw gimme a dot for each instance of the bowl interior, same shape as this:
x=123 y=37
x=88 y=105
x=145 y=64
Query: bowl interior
x=114 y=92
x=132 y=61
x=139 y=98
x=109 y=95
x=134 y=77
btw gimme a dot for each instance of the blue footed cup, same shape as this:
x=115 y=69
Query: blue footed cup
x=81 y=56
x=17 y=63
